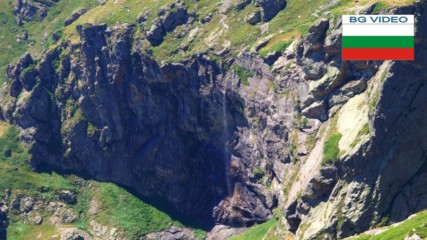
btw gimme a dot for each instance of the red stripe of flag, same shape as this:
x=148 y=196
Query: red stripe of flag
x=378 y=54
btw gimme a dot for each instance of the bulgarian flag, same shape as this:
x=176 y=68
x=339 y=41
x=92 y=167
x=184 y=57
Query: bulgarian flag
x=378 y=37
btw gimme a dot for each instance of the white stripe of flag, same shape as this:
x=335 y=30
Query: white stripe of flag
x=378 y=30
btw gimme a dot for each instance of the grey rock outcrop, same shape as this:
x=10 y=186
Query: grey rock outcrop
x=67 y=196
x=75 y=234
x=346 y=92
x=382 y=176
x=167 y=20
x=242 y=4
x=270 y=8
x=316 y=110
x=26 y=10
x=253 y=18
x=76 y=15
x=171 y=233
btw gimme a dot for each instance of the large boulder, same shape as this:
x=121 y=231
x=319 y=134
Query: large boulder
x=76 y=15
x=316 y=110
x=270 y=8
x=349 y=90
x=167 y=20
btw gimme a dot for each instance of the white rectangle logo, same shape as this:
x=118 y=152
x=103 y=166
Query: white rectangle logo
x=378 y=19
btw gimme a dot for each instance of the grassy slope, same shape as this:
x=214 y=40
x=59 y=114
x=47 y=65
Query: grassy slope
x=415 y=225
x=286 y=26
x=9 y=48
x=257 y=232
x=40 y=32
x=117 y=207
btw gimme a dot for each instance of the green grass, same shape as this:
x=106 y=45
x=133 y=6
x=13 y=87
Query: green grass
x=9 y=48
x=20 y=231
x=331 y=149
x=40 y=31
x=364 y=130
x=117 y=208
x=136 y=218
x=16 y=172
x=417 y=225
x=279 y=46
x=380 y=6
x=256 y=232
x=243 y=74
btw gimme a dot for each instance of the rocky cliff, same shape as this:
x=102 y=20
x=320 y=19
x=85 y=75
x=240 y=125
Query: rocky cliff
x=103 y=109
x=380 y=169
x=226 y=138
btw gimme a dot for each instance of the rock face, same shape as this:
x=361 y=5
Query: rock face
x=380 y=179
x=74 y=17
x=171 y=233
x=167 y=20
x=176 y=131
x=25 y=10
x=270 y=8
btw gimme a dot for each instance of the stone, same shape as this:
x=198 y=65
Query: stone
x=74 y=234
x=7 y=153
x=316 y=110
x=253 y=18
x=171 y=233
x=272 y=57
x=27 y=9
x=167 y=20
x=327 y=83
x=321 y=184
x=156 y=33
x=35 y=219
x=67 y=196
x=242 y=4
x=27 y=204
x=413 y=237
x=270 y=8
x=74 y=16
x=349 y=90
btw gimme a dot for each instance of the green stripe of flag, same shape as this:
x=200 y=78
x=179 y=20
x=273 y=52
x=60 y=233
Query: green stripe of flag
x=377 y=41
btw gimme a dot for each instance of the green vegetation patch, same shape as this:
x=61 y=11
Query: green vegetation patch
x=117 y=207
x=19 y=231
x=243 y=74
x=331 y=149
x=279 y=46
x=364 y=130
x=256 y=232
x=415 y=225
x=259 y=173
x=136 y=218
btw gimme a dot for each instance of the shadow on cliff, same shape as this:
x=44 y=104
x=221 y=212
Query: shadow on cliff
x=208 y=178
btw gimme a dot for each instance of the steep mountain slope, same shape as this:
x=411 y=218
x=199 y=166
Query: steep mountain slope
x=220 y=110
